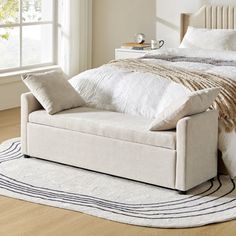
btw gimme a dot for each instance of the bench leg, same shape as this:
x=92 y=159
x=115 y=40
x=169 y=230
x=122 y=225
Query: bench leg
x=26 y=156
x=182 y=192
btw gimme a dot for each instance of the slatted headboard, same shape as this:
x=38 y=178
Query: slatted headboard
x=211 y=17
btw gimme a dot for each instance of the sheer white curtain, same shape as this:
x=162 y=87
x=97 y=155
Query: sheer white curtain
x=74 y=35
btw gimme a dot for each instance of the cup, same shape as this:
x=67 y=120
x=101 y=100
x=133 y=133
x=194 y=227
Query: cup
x=157 y=44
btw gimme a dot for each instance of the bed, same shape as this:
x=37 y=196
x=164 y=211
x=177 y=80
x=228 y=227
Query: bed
x=117 y=91
x=211 y=17
x=214 y=17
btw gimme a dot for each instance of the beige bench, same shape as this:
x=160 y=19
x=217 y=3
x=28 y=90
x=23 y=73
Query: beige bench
x=121 y=145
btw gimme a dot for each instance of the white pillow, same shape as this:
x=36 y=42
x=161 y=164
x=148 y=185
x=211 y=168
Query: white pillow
x=213 y=39
x=193 y=103
x=53 y=91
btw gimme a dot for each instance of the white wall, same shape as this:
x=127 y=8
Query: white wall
x=168 y=16
x=10 y=94
x=116 y=21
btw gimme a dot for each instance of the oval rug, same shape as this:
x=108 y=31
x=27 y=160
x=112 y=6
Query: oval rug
x=113 y=198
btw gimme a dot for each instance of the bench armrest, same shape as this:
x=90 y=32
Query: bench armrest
x=28 y=104
x=197 y=140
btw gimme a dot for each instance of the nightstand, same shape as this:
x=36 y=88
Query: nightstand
x=121 y=53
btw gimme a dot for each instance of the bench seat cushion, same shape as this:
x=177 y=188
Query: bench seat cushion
x=107 y=124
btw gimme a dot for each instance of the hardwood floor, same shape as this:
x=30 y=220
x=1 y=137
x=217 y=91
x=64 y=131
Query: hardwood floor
x=19 y=218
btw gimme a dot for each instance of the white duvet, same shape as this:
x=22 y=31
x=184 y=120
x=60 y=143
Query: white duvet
x=144 y=94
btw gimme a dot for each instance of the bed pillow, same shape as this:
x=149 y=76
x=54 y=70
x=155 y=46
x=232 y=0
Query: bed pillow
x=213 y=39
x=53 y=91
x=193 y=103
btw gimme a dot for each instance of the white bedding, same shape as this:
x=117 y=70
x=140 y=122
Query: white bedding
x=108 y=87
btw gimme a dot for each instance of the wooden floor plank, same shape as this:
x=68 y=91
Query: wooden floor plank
x=9 y=117
x=20 y=218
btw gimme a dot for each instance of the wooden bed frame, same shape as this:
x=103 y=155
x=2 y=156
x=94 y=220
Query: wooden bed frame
x=210 y=17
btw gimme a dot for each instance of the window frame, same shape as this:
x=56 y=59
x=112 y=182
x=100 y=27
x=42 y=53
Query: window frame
x=53 y=22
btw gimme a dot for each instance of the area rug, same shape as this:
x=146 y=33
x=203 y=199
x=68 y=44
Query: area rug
x=113 y=198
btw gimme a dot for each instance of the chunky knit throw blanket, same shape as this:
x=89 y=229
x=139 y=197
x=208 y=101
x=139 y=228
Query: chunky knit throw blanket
x=225 y=103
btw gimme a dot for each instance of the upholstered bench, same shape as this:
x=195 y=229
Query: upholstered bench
x=121 y=145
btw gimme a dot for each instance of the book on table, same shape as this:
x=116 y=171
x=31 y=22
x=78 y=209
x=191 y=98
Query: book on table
x=136 y=46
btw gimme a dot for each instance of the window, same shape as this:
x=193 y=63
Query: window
x=27 y=34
